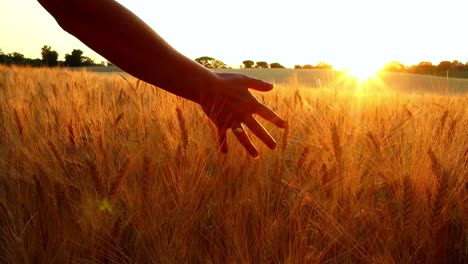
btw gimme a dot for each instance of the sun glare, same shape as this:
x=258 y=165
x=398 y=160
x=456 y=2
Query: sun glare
x=362 y=72
x=364 y=75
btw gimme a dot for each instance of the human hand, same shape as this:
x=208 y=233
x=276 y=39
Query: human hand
x=229 y=104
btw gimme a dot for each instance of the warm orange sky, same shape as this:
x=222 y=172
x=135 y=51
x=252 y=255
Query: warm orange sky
x=340 y=32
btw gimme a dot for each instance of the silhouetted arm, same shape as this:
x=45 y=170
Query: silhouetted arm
x=124 y=39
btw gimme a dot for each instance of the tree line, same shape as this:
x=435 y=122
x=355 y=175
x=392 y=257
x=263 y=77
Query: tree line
x=75 y=58
x=444 y=68
x=213 y=63
x=49 y=58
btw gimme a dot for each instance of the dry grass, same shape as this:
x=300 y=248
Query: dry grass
x=106 y=169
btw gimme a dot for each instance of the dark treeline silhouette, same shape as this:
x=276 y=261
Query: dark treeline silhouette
x=16 y=58
x=247 y=64
x=319 y=66
x=444 y=68
x=49 y=58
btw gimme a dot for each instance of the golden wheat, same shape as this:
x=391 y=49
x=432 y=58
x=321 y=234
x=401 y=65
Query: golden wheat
x=107 y=169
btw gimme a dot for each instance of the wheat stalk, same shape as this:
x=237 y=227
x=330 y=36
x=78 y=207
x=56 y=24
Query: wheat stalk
x=71 y=136
x=19 y=124
x=146 y=176
x=118 y=119
x=57 y=156
x=442 y=123
x=184 y=138
x=407 y=206
x=285 y=139
x=440 y=193
x=335 y=139
x=302 y=157
x=121 y=179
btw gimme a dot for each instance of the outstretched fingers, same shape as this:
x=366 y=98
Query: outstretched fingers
x=271 y=116
x=244 y=139
x=247 y=81
x=260 y=132
x=236 y=105
x=256 y=84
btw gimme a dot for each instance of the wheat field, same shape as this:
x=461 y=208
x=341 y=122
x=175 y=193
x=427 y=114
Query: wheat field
x=107 y=169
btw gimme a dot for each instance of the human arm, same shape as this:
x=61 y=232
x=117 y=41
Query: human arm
x=112 y=30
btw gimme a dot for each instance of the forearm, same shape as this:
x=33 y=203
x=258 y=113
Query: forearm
x=121 y=37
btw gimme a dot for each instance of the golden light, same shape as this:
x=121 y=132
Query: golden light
x=360 y=68
x=363 y=72
x=362 y=75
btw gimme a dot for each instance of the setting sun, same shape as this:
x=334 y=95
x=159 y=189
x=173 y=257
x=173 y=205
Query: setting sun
x=362 y=72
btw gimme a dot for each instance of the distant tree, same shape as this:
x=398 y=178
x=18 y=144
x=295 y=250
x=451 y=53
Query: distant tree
x=458 y=66
x=33 y=62
x=308 y=66
x=443 y=66
x=49 y=56
x=262 y=64
x=248 y=63
x=75 y=59
x=323 y=66
x=276 y=65
x=2 y=57
x=424 y=67
x=211 y=63
x=394 y=66
x=15 y=58
x=86 y=62
x=297 y=66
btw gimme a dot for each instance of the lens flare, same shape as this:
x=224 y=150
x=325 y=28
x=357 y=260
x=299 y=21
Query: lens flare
x=363 y=73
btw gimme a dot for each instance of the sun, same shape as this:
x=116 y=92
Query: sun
x=362 y=72
x=360 y=69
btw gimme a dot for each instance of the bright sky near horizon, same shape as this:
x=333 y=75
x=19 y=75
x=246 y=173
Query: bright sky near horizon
x=341 y=32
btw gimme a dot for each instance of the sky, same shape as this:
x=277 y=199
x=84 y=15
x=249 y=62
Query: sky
x=340 y=32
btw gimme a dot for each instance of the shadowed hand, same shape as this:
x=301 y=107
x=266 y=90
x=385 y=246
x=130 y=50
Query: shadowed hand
x=229 y=104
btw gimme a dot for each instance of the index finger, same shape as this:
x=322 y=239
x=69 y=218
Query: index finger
x=258 y=84
x=271 y=116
